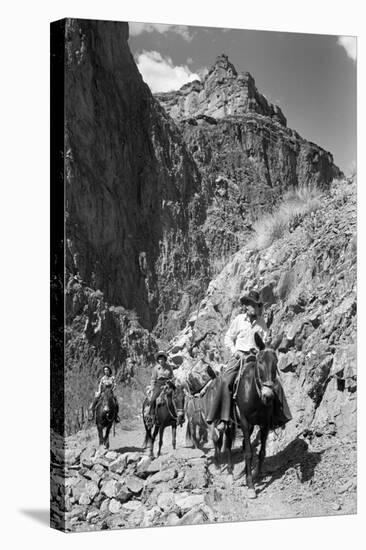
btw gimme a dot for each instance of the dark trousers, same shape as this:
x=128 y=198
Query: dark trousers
x=221 y=405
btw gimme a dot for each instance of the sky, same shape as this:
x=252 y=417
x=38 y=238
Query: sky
x=311 y=77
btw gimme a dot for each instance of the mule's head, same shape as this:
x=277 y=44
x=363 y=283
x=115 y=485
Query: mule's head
x=107 y=402
x=267 y=372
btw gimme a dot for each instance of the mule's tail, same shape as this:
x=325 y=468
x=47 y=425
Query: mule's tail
x=189 y=438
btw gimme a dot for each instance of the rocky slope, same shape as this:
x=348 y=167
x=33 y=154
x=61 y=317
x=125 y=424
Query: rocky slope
x=307 y=281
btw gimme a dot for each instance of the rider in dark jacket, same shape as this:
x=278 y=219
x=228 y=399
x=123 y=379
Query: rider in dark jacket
x=161 y=374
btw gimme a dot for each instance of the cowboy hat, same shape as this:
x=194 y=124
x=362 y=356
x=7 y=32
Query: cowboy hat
x=161 y=354
x=251 y=299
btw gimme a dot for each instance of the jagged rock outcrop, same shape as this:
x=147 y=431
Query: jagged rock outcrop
x=133 y=205
x=223 y=92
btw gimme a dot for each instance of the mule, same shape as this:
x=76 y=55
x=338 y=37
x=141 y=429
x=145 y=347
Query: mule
x=105 y=414
x=197 y=408
x=169 y=412
x=254 y=406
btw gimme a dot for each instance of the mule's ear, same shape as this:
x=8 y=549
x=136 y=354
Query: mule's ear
x=258 y=341
x=275 y=342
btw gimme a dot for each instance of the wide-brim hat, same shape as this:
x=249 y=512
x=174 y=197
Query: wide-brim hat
x=251 y=299
x=161 y=354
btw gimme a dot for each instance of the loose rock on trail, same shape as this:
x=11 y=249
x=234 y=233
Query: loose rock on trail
x=123 y=487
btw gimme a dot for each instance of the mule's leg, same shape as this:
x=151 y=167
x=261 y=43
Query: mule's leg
x=262 y=453
x=100 y=435
x=152 y=440
x=174 y=436
x=106 y=437
x=248 y=455
x=229 y=442
x=161 y=432
x=217 y=455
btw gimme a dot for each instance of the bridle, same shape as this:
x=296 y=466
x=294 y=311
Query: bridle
x=258 y=382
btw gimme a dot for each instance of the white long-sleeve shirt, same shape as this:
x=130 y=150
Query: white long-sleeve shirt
x=240 y=336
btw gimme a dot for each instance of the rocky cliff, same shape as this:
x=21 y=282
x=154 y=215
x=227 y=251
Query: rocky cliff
x=248 y=156
x=134 y=210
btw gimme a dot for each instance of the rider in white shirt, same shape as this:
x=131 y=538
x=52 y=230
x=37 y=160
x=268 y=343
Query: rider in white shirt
x=240 y=340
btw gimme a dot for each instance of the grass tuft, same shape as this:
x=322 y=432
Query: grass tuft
x=296 y=204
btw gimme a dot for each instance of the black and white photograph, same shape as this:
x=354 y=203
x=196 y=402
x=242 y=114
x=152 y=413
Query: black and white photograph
x=203 y=275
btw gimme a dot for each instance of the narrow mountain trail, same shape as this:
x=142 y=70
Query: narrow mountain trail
x=307 y=478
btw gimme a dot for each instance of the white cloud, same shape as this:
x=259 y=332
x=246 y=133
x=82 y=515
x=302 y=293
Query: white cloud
x=139 y=28
x=349 y=43
x=160 y=74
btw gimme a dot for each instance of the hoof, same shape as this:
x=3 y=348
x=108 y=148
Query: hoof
x=252 y=493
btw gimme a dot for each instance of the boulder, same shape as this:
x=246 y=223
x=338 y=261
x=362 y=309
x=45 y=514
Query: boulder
x=131 y=506
x=119 y=464
x=194 y=517
x=166 y=501
x=134 y=484
x=172 y=519
x=142 y=467
x=186 y=501
x=164 y=475
x=195 y=477
x=79 y=488
x=111 y=455
x=123 y=494
x=110 y=488
x=151 y=516
x=87 y=457
x=114 y=506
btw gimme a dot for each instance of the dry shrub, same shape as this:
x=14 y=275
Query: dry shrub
x=295 y=205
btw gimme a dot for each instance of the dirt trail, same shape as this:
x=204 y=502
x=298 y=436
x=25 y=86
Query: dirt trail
x=306 y=479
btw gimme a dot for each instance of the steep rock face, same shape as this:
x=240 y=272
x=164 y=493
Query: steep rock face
x=237 y=137
x=307 y=281
x=133 y=208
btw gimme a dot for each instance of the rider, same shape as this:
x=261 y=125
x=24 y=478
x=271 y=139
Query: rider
x=161 y=374
x=107 y=381
x=240 y=340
